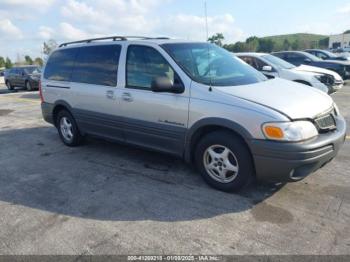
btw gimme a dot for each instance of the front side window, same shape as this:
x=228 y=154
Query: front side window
x=321 y=55
x=97 y=65
x=211 y=65
x=144 y=64
x=60 y=65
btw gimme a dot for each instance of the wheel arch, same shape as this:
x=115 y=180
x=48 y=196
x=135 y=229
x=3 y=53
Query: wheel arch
x=208 y=125
x=58 y=106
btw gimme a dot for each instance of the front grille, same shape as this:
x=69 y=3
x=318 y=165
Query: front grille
x=326 y=123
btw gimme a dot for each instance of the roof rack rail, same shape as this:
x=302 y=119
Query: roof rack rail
x=114 y=38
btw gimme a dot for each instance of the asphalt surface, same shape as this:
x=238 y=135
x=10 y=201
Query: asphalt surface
x=106 y=198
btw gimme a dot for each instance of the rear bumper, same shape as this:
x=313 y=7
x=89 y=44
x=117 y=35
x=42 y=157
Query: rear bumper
x=47 y=112
x=290 y=162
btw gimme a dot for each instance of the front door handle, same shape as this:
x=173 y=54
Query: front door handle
x=110 y=94
x=127 y=97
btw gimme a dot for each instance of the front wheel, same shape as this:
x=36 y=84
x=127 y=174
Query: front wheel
x=224 y=161
x=68 y=129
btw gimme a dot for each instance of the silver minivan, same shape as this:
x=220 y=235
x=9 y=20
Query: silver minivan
x=193 y=100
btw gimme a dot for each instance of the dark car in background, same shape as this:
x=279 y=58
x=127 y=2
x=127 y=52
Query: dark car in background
x=326 y=55
x=298 y=58
x=23 y=76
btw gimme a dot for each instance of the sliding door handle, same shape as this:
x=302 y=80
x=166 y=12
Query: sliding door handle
x=127 y=97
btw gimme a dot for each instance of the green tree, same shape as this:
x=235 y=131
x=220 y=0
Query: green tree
x=286 y=44
x=8 y=63
x=324 y=43
x=217 y=39
x=28 y=59
x=38 y=61
x=266 y=45
x=2 y=62
x=237 y=47
x=49 y=46
x=252 y=44
x=296 y=45
x=347 y=32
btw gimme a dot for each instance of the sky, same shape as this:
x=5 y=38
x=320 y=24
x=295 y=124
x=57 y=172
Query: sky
x=26 y=24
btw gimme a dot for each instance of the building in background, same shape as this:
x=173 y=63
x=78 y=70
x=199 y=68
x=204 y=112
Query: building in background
x=339 y=41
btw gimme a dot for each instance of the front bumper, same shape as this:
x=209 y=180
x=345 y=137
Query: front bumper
x=290 y=162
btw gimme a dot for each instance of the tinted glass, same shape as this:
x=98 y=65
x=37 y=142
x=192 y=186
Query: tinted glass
x=211 y=65
x=144 y=64
x=278 y=62
x=329 y=54
x=310 y=56
x=60 y=65
x=97 y=65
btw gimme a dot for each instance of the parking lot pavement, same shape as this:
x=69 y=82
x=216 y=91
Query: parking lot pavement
x=105 y=198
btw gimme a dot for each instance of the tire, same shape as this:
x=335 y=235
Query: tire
x=68 y=129
x=28 y=86
x=238 y=172
x=9 y=86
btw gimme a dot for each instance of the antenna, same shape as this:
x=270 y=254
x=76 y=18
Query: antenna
x=206 y=19
x=207 y=31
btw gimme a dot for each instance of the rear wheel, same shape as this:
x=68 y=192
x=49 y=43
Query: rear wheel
x=68 y=129
x=9 y=86
x=224 y=161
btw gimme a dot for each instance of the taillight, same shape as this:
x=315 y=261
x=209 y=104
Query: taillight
x=41 y=93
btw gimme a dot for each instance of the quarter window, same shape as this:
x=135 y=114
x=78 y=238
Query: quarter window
x=143 y=65
x=60 y=65
x=97 y=65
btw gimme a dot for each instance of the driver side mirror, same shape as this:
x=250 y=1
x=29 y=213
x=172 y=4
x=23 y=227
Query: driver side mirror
x=307 y=61
x=267 y=68
x=164 y=85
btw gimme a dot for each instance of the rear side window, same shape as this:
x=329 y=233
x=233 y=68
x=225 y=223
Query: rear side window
x=60 y=65
x=97 y=65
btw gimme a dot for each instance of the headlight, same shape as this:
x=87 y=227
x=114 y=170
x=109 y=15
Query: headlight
x=290 y=131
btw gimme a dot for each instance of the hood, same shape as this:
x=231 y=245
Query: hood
x=297 y=101
x=318 y=70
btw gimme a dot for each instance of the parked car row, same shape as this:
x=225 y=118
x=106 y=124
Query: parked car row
x=272 y=66
x=196 y=101
x=24 y=76
x=317 y=68
x=298 y=58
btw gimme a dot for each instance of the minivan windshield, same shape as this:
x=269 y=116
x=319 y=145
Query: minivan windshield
x=278 y=62
x=211 y=65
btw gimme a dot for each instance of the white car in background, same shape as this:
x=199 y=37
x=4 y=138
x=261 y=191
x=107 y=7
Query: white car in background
x=2 y=81
x=271 y=66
